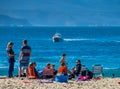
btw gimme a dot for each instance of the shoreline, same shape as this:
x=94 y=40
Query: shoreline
x=107 y=72
x=24 y=83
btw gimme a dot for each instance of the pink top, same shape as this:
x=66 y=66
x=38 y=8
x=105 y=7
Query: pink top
x=47 y=71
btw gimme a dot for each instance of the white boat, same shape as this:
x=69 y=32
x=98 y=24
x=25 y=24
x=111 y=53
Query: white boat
x=57 y=37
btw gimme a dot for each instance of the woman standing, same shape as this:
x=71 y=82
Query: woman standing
x=11 y=59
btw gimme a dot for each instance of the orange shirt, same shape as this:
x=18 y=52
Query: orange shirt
x=62 y=69
x=31 y=72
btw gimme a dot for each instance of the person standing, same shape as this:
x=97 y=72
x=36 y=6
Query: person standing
x=62 y=60
x=11 y=59
x=24 y=59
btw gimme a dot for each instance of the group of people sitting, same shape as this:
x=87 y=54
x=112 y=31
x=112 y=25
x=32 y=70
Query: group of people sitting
x=47 y=72
x=60 y=75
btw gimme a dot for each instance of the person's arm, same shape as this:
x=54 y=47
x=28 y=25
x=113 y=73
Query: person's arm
x=20 y=55
x=10 y=54
x=30 y=52
x=61 y=60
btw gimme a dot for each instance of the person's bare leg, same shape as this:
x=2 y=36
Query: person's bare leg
x=20 y=72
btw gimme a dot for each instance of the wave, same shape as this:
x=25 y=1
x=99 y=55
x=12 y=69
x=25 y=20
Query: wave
x=111 y=68
x=77 y=39
x=1 y=67
x=99 y=42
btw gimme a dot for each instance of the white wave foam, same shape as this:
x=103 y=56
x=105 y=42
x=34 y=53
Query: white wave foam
x=5 y=67
x=77 y=39
x=110 y=68
x=117 y=41
x=1 y=67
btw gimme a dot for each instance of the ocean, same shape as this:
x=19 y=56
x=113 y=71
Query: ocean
x=92 y=45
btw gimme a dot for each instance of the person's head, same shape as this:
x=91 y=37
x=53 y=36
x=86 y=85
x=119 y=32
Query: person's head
x=73 y=68
x=78 y=62
x=24 y=42
x=9 y=45
x=63 y=55
x=31 y=64
x=48 y=65
x=34 y=63
x=53 y=66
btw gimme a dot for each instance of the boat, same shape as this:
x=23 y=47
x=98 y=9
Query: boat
x=57 y=37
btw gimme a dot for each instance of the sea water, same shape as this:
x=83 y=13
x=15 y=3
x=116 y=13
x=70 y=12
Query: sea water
x=92 y=45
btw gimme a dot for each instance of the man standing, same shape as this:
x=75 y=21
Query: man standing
x=25 y=54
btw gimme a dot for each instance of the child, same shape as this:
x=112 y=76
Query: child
x=62 y=60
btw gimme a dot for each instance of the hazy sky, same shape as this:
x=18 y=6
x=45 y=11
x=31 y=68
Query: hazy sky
x=64 y=12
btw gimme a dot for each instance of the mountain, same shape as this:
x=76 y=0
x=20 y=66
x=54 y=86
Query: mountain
x=11 y=21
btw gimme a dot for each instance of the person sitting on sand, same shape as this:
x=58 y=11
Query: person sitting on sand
x=48 y=72
x=63 y=69
x=62 y=75
x=71 y=73
x=31 y=72
x=36 y=71
x=77 y=68
x=53 y=67
x=73 y=69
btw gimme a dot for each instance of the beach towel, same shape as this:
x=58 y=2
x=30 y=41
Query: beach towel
x=83 y=78
x=46 y=80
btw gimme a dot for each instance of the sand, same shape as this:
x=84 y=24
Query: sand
x=24 y=83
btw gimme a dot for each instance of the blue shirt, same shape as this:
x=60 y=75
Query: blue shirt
x=26 y=51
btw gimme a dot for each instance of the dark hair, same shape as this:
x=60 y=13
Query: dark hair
x=63 y=54
x=48 y=64
x=53 y=65
x=78 y=61
x=31 y=64
x=11 y=43
x=25 y=41
x=34 y=62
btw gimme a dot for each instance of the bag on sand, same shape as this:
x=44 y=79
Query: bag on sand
x=61 y=78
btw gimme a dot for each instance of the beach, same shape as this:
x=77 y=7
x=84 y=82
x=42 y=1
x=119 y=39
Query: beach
x=24 y=83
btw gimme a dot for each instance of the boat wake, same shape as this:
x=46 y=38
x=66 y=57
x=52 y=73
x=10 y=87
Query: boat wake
x=116 y=68
x=69 y=39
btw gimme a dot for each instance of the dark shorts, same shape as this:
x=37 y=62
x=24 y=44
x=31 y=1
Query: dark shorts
x=24 y=61
x=25 y=65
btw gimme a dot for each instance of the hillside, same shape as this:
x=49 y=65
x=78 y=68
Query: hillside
x=11 y=21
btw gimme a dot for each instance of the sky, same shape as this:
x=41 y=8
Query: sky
x=64 y=12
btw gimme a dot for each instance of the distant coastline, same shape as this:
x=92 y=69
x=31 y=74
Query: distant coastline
x=11 y=21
